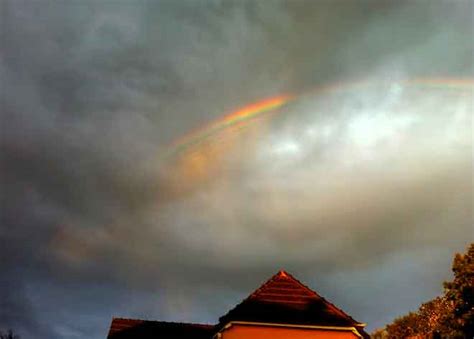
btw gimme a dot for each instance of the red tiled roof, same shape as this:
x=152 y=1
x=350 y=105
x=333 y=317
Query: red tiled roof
x=121 y=328
x=283 y=299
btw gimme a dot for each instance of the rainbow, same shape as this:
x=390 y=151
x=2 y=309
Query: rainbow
x=246 y=113
x=251 y=112
x=461 y=84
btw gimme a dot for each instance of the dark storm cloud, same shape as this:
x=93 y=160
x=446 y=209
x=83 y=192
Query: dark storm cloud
x=93 y=92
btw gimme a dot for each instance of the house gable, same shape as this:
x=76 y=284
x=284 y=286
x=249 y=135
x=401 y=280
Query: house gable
x=282 y=307
x=284 y=299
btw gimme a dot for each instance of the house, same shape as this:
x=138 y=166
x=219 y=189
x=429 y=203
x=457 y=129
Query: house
x=281 y=308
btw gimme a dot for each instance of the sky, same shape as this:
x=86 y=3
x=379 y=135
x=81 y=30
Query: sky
x=126 y=193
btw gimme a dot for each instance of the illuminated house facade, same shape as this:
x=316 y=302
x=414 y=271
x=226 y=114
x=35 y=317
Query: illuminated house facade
x=281 y=308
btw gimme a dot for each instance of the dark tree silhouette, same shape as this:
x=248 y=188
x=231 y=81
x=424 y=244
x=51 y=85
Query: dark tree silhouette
x=8 y=335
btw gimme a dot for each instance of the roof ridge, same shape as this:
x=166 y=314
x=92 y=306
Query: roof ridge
x=288 y=275
x=280 y=273
x=251 y=295
x=285 y=274
x=330 y=304
x=161 y=322
x=267 y=282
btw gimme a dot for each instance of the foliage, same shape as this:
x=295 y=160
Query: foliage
x=447 y=316
x=380 y=333
x=460 y=292
x=404 y=327
x=432 y=317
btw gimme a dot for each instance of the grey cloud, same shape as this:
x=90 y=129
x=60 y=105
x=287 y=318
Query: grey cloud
x=93 y=93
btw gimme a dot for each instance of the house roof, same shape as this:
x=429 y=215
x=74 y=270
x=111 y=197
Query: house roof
x=281 y=300
x=285 y=300
x=121 y=328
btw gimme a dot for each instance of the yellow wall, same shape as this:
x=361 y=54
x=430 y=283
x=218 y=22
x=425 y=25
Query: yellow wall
x=238 y=331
